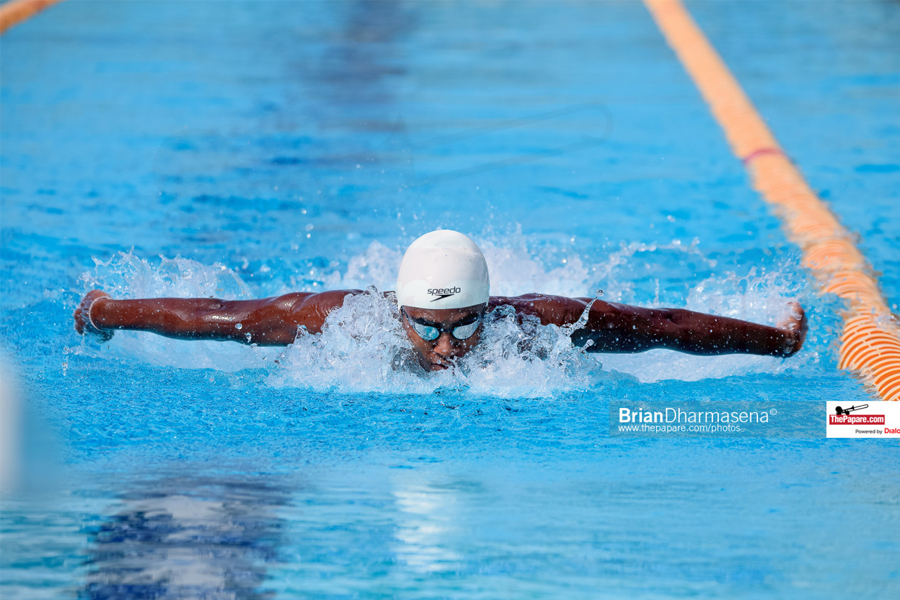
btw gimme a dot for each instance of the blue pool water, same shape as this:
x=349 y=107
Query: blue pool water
x=250 y=149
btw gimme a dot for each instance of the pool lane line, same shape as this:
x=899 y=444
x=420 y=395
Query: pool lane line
x=870 y=344
x=16 y=11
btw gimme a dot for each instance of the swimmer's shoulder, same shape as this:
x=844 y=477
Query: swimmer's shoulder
x=309 y=309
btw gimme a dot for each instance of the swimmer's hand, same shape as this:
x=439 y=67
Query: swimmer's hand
x=83 y=322
x=795 y=326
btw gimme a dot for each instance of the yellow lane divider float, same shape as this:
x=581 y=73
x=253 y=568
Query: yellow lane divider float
x=870 y=344
x=16 y=11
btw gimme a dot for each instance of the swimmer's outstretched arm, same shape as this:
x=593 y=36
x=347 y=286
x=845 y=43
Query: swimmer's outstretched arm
x=266 y=322
x=621 y=328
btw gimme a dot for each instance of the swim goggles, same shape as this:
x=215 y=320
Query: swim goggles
x=461 y=331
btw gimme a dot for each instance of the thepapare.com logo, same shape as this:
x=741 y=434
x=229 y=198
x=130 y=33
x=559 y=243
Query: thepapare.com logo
x=873 y=419
x=846 y=416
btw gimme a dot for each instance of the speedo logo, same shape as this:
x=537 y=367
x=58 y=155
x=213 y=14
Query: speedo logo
x=442 y=293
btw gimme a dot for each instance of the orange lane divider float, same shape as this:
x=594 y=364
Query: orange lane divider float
x=870 y=344
x=16 y=11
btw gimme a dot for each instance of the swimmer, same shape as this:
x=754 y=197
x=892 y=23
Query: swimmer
x=443 y=297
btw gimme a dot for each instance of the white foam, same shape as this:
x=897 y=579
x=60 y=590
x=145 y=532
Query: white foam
x=363 y=348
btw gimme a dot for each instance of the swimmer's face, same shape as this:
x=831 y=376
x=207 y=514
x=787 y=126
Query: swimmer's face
x=441 y=352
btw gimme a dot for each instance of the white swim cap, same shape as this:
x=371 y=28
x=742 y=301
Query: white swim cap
x=443 y=269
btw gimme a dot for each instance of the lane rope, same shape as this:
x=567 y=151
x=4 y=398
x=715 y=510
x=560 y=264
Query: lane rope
x=870 y=344
x=16 y=11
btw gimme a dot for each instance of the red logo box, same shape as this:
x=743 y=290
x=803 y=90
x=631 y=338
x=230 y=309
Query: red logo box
x=856 y=419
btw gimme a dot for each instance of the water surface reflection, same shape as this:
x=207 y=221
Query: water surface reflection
x=187 y=538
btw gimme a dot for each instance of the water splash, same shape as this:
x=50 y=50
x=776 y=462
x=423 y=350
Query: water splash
x=377 y=266
x=363 y=347
x=358 y=350
x=515 y=270
x=513 y=267
x=128 y=276
x=758 y=297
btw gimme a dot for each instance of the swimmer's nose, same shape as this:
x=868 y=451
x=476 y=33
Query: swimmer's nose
x=444 y=346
